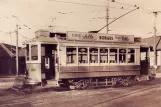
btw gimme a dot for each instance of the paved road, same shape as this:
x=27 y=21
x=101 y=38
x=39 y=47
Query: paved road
x=145 y=98
x=144 y=94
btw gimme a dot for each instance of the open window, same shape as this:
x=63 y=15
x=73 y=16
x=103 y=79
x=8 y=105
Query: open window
x=113 y=55
x=71 y=55
x=122 y=55
x=93 y=55
x=83 y=55
x=131 y=55
x=103 y=55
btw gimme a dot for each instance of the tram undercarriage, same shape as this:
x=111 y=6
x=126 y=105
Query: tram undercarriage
x=83 y=83
x=97 y=82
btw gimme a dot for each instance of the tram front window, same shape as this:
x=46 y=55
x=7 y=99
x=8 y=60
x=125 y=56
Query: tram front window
x=34 y=52
x=71 y=55
x=83 y=55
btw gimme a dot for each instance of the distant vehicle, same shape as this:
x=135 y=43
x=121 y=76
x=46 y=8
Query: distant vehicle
x=79 y=59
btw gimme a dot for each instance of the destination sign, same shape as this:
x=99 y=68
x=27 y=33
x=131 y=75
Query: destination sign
x=82 y=36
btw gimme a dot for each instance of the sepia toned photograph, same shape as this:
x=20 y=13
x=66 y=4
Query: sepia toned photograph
x=80 y=53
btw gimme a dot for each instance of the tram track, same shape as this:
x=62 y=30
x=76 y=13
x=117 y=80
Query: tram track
x=108 y=100
x=140 y=91
x=72 y=96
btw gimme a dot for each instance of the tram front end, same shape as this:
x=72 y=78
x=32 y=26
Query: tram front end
x=33 y=65
x=41 y=64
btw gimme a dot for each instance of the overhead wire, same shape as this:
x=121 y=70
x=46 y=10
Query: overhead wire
x=147 y=10
x=24 y=36
x=83 y=4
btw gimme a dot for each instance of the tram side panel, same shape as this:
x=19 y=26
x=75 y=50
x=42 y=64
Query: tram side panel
x=101 y=71
x=80 y=71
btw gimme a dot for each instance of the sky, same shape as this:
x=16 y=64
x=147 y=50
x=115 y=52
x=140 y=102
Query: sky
x=32 y=15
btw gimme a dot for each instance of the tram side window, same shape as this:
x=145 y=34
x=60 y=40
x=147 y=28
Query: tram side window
x=71 y=55
x=103 y=55
x=83 y=55
x=27 y=52
x=34 y=52
x=113 y=55
x=122 y=55
x=131 y=55
x=93 y=55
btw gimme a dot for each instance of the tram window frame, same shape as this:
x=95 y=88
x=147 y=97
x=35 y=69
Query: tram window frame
x=122 y=56
x=115 y=55
x=27 y=53
x=82 y=55
x=93 y=55
x=71 y=56
x=55 y=55
x=104 y=55
x=35 y=50
x=131 y=55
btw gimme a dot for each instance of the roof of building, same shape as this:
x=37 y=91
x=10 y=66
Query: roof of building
x=150 y=41
x=7 y=50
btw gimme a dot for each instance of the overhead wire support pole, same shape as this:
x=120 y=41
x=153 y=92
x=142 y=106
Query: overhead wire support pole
x=155 y=13
x=154 y=38
x=107 y=15
x=17 y=67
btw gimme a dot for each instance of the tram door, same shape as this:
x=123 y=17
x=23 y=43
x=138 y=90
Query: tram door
x=144 y=61
x=49 y=60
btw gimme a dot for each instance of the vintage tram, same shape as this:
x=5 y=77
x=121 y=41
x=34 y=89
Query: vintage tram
x=79 y=59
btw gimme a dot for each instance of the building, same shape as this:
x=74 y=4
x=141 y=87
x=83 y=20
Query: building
x=150 y=42
x=8 y=60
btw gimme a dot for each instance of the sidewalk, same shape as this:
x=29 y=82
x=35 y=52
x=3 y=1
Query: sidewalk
x=9 y=81
x=158 y=75
x=6 y=82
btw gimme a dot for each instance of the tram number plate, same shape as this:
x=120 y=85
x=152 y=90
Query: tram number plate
x=33 y=69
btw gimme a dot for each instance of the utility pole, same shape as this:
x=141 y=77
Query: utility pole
x=17 y=68
x=107 y=14
x=51 y=28
x=154 y=39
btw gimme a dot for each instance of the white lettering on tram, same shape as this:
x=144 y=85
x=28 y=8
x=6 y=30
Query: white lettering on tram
x=122 y=38
x=105 y=37
x=82 y=36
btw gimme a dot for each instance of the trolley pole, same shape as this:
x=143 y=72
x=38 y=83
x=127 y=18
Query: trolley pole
x=17 y=68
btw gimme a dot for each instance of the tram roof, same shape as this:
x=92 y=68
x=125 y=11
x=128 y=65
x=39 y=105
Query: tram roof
x=46 y=37
x=55 y=40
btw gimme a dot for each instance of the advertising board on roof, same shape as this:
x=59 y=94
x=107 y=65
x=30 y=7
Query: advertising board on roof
x=82 y=36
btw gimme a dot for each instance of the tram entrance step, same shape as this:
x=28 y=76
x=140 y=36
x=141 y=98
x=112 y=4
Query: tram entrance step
x=143 y=78
x=52 y=82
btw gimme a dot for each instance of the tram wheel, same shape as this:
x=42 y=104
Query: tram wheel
x=126 y=83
